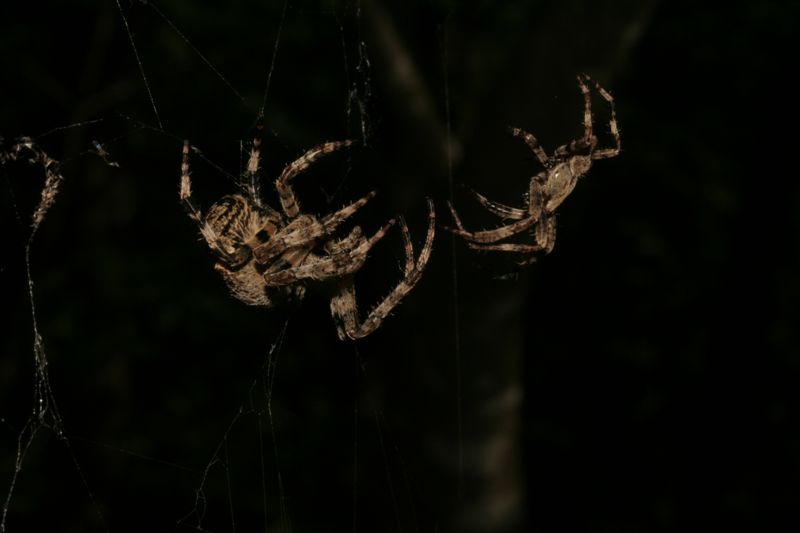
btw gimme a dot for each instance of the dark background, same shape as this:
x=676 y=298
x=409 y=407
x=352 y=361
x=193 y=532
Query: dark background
x=639 y=378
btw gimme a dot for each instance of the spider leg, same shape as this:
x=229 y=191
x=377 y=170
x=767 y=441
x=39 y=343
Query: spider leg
x=508 y=247
x=332 y=266
x=459 y=226
x=544 y=235
x=408 y=247
x=533 y=144
x=587 y=107
x=502 y=211
x=344 y=308
x=332 y=221
x=608 y=152
x=536 y=196
x=285 y=193
x=186 y=187
x=492 y=235
x=605 y=153
x=564 y=151
x=348 y=243
x=253 y=169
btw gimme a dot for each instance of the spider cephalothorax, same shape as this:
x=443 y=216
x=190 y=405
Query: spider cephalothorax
x=264 y=254
x=548 y=189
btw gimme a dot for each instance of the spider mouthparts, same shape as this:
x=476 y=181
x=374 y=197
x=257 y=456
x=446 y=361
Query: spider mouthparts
x=237 y=259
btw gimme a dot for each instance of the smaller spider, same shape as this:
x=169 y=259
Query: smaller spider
x=548 y=189
x=264 y=254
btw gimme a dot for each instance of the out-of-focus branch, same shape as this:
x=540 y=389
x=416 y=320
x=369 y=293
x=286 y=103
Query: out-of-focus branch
x=406 y=86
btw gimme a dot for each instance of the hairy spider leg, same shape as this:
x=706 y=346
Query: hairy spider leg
x=332 y=220
x=408 y=247
x=501 y=210
x=544 y=235
x=533 y=144
x=605 y=153
x=186 y=187
x=289 y=204
x=588 y=140
x=492 y=235
x=587 y=108
x=344 y=307
x=252 y=172
x=347 y=243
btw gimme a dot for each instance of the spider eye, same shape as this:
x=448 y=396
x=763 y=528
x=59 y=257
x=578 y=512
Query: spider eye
x=262 y=236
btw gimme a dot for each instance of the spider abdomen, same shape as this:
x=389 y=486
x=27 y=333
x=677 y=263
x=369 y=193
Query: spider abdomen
x=560 y=181
x=246 y=284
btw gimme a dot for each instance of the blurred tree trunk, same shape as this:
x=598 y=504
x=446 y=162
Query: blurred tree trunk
x=489 y=79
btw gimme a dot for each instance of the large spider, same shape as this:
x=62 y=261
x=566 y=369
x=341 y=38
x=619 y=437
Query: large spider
x=264 y=254
x=548 y=189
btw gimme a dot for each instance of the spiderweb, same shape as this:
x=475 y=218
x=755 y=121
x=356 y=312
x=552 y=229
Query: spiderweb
x=45 y=415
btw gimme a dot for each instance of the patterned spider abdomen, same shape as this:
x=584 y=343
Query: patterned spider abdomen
x=228 y=226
